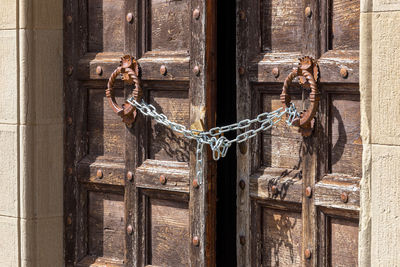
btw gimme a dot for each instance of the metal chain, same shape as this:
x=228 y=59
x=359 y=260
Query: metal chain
x=218 y=143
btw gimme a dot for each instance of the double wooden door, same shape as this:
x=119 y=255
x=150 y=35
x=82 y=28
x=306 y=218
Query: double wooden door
x=130 y=195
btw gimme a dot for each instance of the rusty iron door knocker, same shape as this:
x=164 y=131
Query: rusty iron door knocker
x=307 y=72
x=129 y=69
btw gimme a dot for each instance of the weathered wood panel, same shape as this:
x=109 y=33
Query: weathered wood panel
x=105 y=131
x=346 y=144
x=343 y=243
x=176 y=175
x=164 y=143
x=169 y=240
x=328 y=192
x=276 y=183
x=170 y=24
x=280 y=145
x=112 y=170
x=106 y=25
x=108 y=61
x=281 y=238
x=345 y=27
x=97 y=34
x=106 y=225
x=333 y=61
x=327 y=163
x=176 y=63
x=282 y=25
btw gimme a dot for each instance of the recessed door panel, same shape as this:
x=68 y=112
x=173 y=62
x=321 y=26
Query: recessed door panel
x=344 y=242
x=169 y=29
x=281 y=25
x=168 y=238
x=281 y=236
x=165 y=144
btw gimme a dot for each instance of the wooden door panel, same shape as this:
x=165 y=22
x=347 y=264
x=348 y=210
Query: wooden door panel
x=168 y=235
x=281 y=237
x=339 y=43
x=176 y=175
x=103 y=130
x=176 y=63
x=106 y=224
x=281 y=25
x=164 y=144
x=288 y=183
x=101 y=176
x=106 y=25
x=118 y=211
x=338 y=238
x=166 y=40
x=346 y=146
x=163 y=211
x=281 y=144
x=281 y=166
x=344 y=24
x=276 y=158
x=164 y=228
x=168 y=28
x=343 y=242
x=328 y=192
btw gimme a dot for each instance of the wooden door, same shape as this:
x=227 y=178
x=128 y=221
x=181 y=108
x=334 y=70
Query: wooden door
x=128 y=197
x=277 y=223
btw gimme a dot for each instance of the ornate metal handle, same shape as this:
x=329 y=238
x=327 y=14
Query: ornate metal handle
x=307 y=71
x=129 y=70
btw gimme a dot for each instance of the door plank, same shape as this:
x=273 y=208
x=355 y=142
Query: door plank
x=202 y=205
x=288 y=184
x=176 y=175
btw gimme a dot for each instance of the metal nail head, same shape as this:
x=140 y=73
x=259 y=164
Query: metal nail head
x=129 y=17
x=163 y=70
x=196 y=14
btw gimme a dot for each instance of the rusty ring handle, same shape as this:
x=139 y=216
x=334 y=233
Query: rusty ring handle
x=130 y=74
x=305 y=117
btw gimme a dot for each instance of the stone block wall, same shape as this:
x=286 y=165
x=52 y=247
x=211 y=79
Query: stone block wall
x=31 y=133
x=380 y=109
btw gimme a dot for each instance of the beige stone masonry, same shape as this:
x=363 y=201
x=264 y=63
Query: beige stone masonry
x=380 y=129
x=8 y=74
x=380 y=5
x=385 y=208
x=8 y=11
x=31 y=133
x=385 y=78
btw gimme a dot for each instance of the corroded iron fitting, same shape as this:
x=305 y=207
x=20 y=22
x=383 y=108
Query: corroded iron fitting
x=129 y=71
x=308 y=74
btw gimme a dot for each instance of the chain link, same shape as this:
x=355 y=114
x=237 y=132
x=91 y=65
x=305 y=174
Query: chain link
x=218 y=143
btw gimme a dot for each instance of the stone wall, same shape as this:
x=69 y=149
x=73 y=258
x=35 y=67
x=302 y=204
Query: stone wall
x=380 y=109
x=31 y=133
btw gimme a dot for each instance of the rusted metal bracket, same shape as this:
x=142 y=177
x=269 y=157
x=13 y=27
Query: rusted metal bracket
x=308 y=73
x=129 y=70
